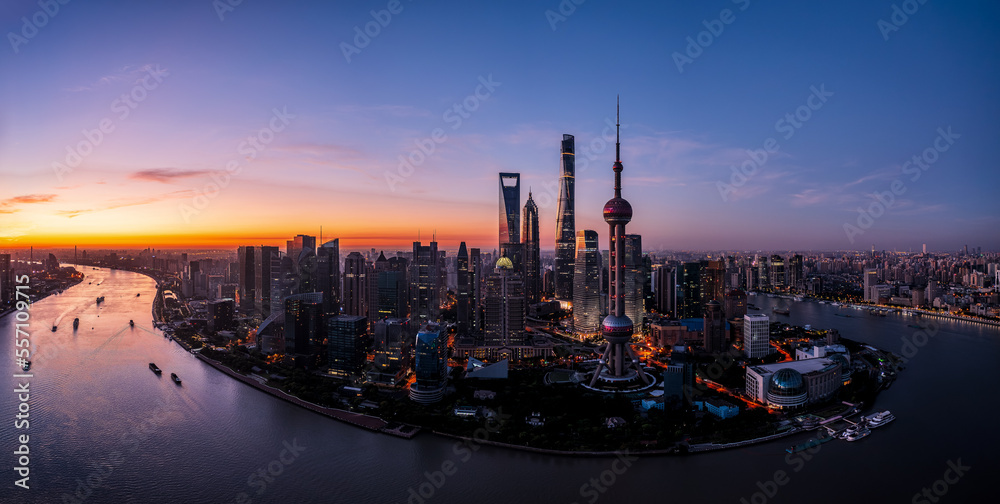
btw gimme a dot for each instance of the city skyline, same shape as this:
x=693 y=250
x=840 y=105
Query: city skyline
x=331 y=132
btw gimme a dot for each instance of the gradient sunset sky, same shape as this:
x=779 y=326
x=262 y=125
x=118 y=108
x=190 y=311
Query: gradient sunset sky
x=222 y=77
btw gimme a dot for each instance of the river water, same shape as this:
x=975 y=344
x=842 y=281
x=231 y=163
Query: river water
x=104 y=428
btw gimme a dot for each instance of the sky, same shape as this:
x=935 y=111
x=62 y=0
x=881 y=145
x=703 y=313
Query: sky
x=745 y=124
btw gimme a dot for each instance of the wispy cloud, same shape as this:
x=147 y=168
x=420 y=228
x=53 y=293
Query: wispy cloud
x=166 y=175
x=10 y=205
x=127 y=202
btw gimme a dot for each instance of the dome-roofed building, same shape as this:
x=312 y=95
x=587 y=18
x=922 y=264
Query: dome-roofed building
x=845 y=366
x=505 y=263
x=786 y=389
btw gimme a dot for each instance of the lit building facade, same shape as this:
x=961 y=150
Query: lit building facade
x=564 y=272
x=587 y=284
x=430 y=364
x=756 y=335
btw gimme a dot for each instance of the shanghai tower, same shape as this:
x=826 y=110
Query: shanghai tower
x=619 y=362
x=566 y=222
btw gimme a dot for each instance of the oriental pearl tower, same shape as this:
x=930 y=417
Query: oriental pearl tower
x=619 y=364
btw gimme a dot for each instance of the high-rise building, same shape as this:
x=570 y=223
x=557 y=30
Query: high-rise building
x=302 y=251
x=328 y=275
x=690 y=303
x=756 y=335
x=795 y=271
x=715 y=327
x=391 y=290
x=777 y=272
x=347 y=345
x=425 y=303
x=636 y=281
x=564 y=271
x=666 y=290
x=619 y=361
x=735 y=304
x=247 y=288
x=6 y=281
x=476 y=289
x=532 y=252
x=587 y=284
x=510 y=218
x=304 y=328
x=430 y=364
x=713 y=280
x=505 y=306
x=393 y=345
x=262 y=280
x=871 y=280
x=222 y=311
x=462 y=311
x=355 y=285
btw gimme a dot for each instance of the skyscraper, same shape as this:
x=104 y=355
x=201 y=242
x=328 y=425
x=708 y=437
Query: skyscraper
x=635 y=280
x=328 y=275
x=587 y=284
x=347 y=345
x=304 y=326
x=392 y=290
x=6 y=281
x=246 y=292
x=462 y=311
x=871 y=280
x=425 y=304
x=532 y=252
x=566 y=221
x=777 y=271
x=505 y=306
x=302 y=251
x=756 y=335
x=619 y=360
x=392 y=348
x=430 y=364
x=476 y=289
x=795 y=271
x=510 y=218
x=666 y=290
x=690 y=302
x=715 y=327
x=355 y=285
x=262 y=280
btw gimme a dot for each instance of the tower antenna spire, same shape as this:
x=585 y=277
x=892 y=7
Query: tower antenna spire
x=618 y=115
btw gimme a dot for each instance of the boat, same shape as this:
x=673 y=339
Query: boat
x=879 y=419
x=859 y=434
x=780 y=311
x=76 y=323
x=100 y=300
x=173 y=376
x=131 y=323
x=155 y=369
x=809 y=444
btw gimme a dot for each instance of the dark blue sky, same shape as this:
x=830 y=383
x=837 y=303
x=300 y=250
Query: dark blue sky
x=337 y=162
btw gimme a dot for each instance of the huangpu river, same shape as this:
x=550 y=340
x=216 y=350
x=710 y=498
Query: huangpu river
x=105 y=429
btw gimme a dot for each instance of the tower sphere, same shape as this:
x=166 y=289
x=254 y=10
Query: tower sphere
x=617 y=211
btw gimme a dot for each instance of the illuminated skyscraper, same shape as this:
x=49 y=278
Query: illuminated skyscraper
x=246 y=290
x=347 y=345
x=393 y=345
x=566 y=221
x=355 y=285
x=302 y=251
x=532 y=252
x=304 y=327
x=756 y=335
x=505 y=306
x=777 y=271
x=430 y=364
x=6 y=281
x=619 y=362
x=587 y=284
x=262 y=280
x=510 y=218
x=462 y=311
x=476 y=289
x=425 y=303
x=666 y=290
x=328 y=273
